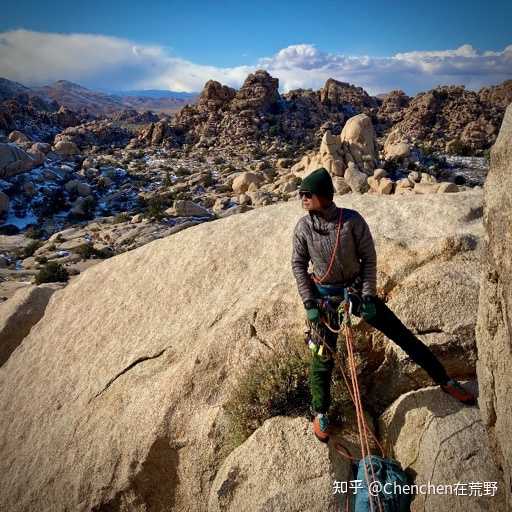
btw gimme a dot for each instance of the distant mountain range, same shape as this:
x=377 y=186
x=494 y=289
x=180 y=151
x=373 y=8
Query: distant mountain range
x=78 y=98
x=154 y=93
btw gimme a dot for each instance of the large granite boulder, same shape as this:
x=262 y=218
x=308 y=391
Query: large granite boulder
x=360 y=143
x=14 y=160
x=440 y=442
x=355 y=147
x=114 y=400
x=281 y=466
x=494 y=327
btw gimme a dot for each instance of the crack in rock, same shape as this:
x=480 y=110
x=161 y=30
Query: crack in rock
x=254 y=334
x=129 y=367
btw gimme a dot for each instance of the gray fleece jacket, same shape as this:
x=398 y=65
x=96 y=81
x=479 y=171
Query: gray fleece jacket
x=314 y=238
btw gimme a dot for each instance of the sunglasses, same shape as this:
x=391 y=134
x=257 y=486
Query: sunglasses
x=307 y=194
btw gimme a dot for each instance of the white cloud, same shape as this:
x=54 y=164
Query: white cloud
x=96 y=61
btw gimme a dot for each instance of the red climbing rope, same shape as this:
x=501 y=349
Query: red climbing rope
x=355 y=395
x=333 y=255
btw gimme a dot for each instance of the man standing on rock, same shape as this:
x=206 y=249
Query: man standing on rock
x=339 y=244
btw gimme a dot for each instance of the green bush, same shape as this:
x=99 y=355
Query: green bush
x=52 y=272
x=167 y=180
x=275 y=386
x=426 y=150
x=274 y=130
x=121 y=217
x=208 y=180
x=31 y=248
x=155 y=207
x=33 y=232
x=87 y=251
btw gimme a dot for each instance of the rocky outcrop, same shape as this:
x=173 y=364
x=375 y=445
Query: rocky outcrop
x=494 y=328
x=497 y=96
x=358 y=138
x=131 y=115
x=119 y=394
x=41 y=120
x=450 y=113
x=352 y=159
x=356 y=145
x=259 y=92
x=440 y=442
x=18 y=314
x=214 y=96
x=94 y=133
x=258 y=114
x=392 y=108
x=344 y=96
x=155 y=133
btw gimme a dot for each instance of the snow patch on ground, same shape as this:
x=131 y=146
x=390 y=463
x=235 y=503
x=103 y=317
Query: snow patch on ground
x=20 y=222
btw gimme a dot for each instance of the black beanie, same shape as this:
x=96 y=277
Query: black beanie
x=319 y=182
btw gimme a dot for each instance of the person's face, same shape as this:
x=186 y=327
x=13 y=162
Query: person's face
x=312 y=201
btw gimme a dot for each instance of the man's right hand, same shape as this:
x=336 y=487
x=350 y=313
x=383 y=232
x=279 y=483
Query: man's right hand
x=312 y=311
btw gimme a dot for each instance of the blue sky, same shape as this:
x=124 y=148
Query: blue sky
x=230 y=38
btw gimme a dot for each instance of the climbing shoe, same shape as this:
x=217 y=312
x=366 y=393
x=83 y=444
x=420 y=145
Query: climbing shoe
x=453 y=387
x=321 y=427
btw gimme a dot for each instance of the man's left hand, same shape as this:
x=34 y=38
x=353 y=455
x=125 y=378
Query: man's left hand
x=368 y=308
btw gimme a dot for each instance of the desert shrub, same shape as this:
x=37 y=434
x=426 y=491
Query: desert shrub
x=121 y=217
x=274 y=130
x=277 y=386
x=182 y=171
x=54 y=202
x=257 y=152
x=88 y=208
x=208 y=179
x=87 y=251
x=425 y=149
x=155 y=207
x=34 y=232
x=167 y=180
x=31 y=248
x=457 y=147
x=52 y=272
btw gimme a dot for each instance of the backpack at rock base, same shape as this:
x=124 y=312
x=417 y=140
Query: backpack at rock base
x=391 y=478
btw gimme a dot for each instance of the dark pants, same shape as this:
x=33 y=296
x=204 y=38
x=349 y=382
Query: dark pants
x=387 y=322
